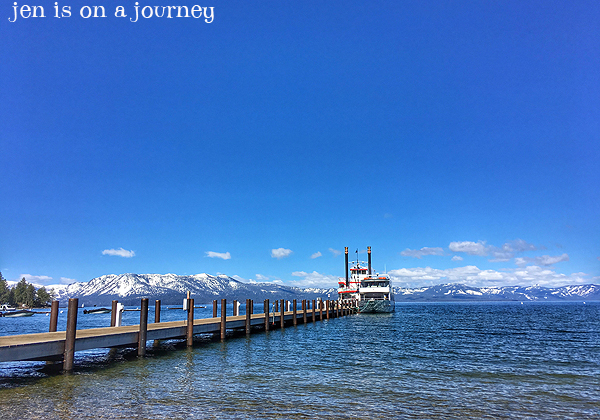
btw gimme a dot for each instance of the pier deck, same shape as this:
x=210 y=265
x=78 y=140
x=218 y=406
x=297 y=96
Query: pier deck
x=51 y=345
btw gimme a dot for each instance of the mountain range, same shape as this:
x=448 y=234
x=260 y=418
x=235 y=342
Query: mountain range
x=171 y=289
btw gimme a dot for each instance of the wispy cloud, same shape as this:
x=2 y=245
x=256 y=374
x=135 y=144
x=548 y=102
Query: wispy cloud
x=29 y=278
x=119 y=253
x=222 y=255
x=468 y=247
x=473 y=276
x=313 y=279
x=316 y=255
x=544 y=260
x=457 y=258
x=418 y=253
x=335 y=252
x=66 y=280
x=504 y=253
x=280 y=253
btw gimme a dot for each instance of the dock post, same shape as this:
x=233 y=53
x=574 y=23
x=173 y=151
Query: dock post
x=328 y=308
x=156 y=343
x=223 y=318
x=313 y=310
x=248 y=315
x=304 y=311
x=143 y=327
x=282 y=313
x=190 y=323
x=294 y=311
x=69 y=353
x=276 y=306
x=53 y=316
x=321 y=310
x=267 y=310
x=235 y=307
x=214 y=308
x=157 y=311
x=113 y=314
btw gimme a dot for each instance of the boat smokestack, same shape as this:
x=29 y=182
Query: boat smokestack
x=369 y=252
x=347 y=280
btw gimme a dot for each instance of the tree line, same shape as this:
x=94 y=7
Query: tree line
x=24 y=293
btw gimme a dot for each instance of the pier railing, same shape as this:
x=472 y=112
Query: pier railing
x=60 y=346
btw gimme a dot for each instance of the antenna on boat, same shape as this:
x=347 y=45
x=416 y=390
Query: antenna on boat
x=369 y=252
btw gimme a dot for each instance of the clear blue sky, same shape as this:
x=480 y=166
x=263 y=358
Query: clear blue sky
x=461 y=140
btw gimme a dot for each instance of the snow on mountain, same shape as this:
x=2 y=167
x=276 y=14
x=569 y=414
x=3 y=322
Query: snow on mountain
x=171 y=288
x=446 y=292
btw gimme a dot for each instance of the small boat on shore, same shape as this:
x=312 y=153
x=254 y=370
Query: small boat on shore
x=97 y=311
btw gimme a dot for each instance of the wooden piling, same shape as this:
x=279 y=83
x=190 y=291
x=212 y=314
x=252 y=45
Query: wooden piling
x=294 y=312
x=223 y=318
x=235 y=308
x=143 y=327
x=282 y=313
x=69 y=353
x=320 y=310
x=215 y=305
x=313 y=311
x=267 y=310
x=190 y=323
x=53 y=316
x=304 y=311
x=156 y=343
x=276 y=306
x=157 y=311
x=248 y=315
x=328 y=308
x=113 y=314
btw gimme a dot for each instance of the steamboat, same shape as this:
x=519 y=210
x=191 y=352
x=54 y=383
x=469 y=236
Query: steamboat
x=365 y=289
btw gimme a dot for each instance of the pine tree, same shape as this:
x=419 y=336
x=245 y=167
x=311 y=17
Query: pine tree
x=4 y=290
x=42 y=297
x=20 y=292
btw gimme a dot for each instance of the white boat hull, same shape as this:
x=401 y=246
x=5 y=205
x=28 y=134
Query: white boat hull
x=17 y=314
x=376 y=306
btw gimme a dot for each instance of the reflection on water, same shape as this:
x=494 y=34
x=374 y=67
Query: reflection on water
x=424 y=361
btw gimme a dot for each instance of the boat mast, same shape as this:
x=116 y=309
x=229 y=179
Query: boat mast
x=347 y=280
x=369 y=252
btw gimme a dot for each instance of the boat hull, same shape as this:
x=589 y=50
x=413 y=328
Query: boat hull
x=376 y=306
x=17 y=314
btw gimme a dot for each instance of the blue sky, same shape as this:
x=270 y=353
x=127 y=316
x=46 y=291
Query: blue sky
x=459 y=139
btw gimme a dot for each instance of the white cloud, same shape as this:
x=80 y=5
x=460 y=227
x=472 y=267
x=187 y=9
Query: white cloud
x=222 y=255
x=468 y=247
x=36 y=280
x=473 y=276
x=280 y=253
x=335 y=252
x=65 y=280
x=316 y=255
x=314 y=279
x=457 y=258
x=418 y=253
x=260 y=277
x=519 y=245
x=544 y=260
x=119 y=253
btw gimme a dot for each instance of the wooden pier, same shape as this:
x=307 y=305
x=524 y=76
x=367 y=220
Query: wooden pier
x=60 y=346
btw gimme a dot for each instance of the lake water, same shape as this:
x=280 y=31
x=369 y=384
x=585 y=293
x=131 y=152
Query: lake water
x=429 y=361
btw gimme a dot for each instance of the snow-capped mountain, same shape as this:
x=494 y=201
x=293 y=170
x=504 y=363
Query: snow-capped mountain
x=460 y=292
x=171 y=288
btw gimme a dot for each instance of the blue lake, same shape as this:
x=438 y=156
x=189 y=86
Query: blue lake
x=443 y=360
